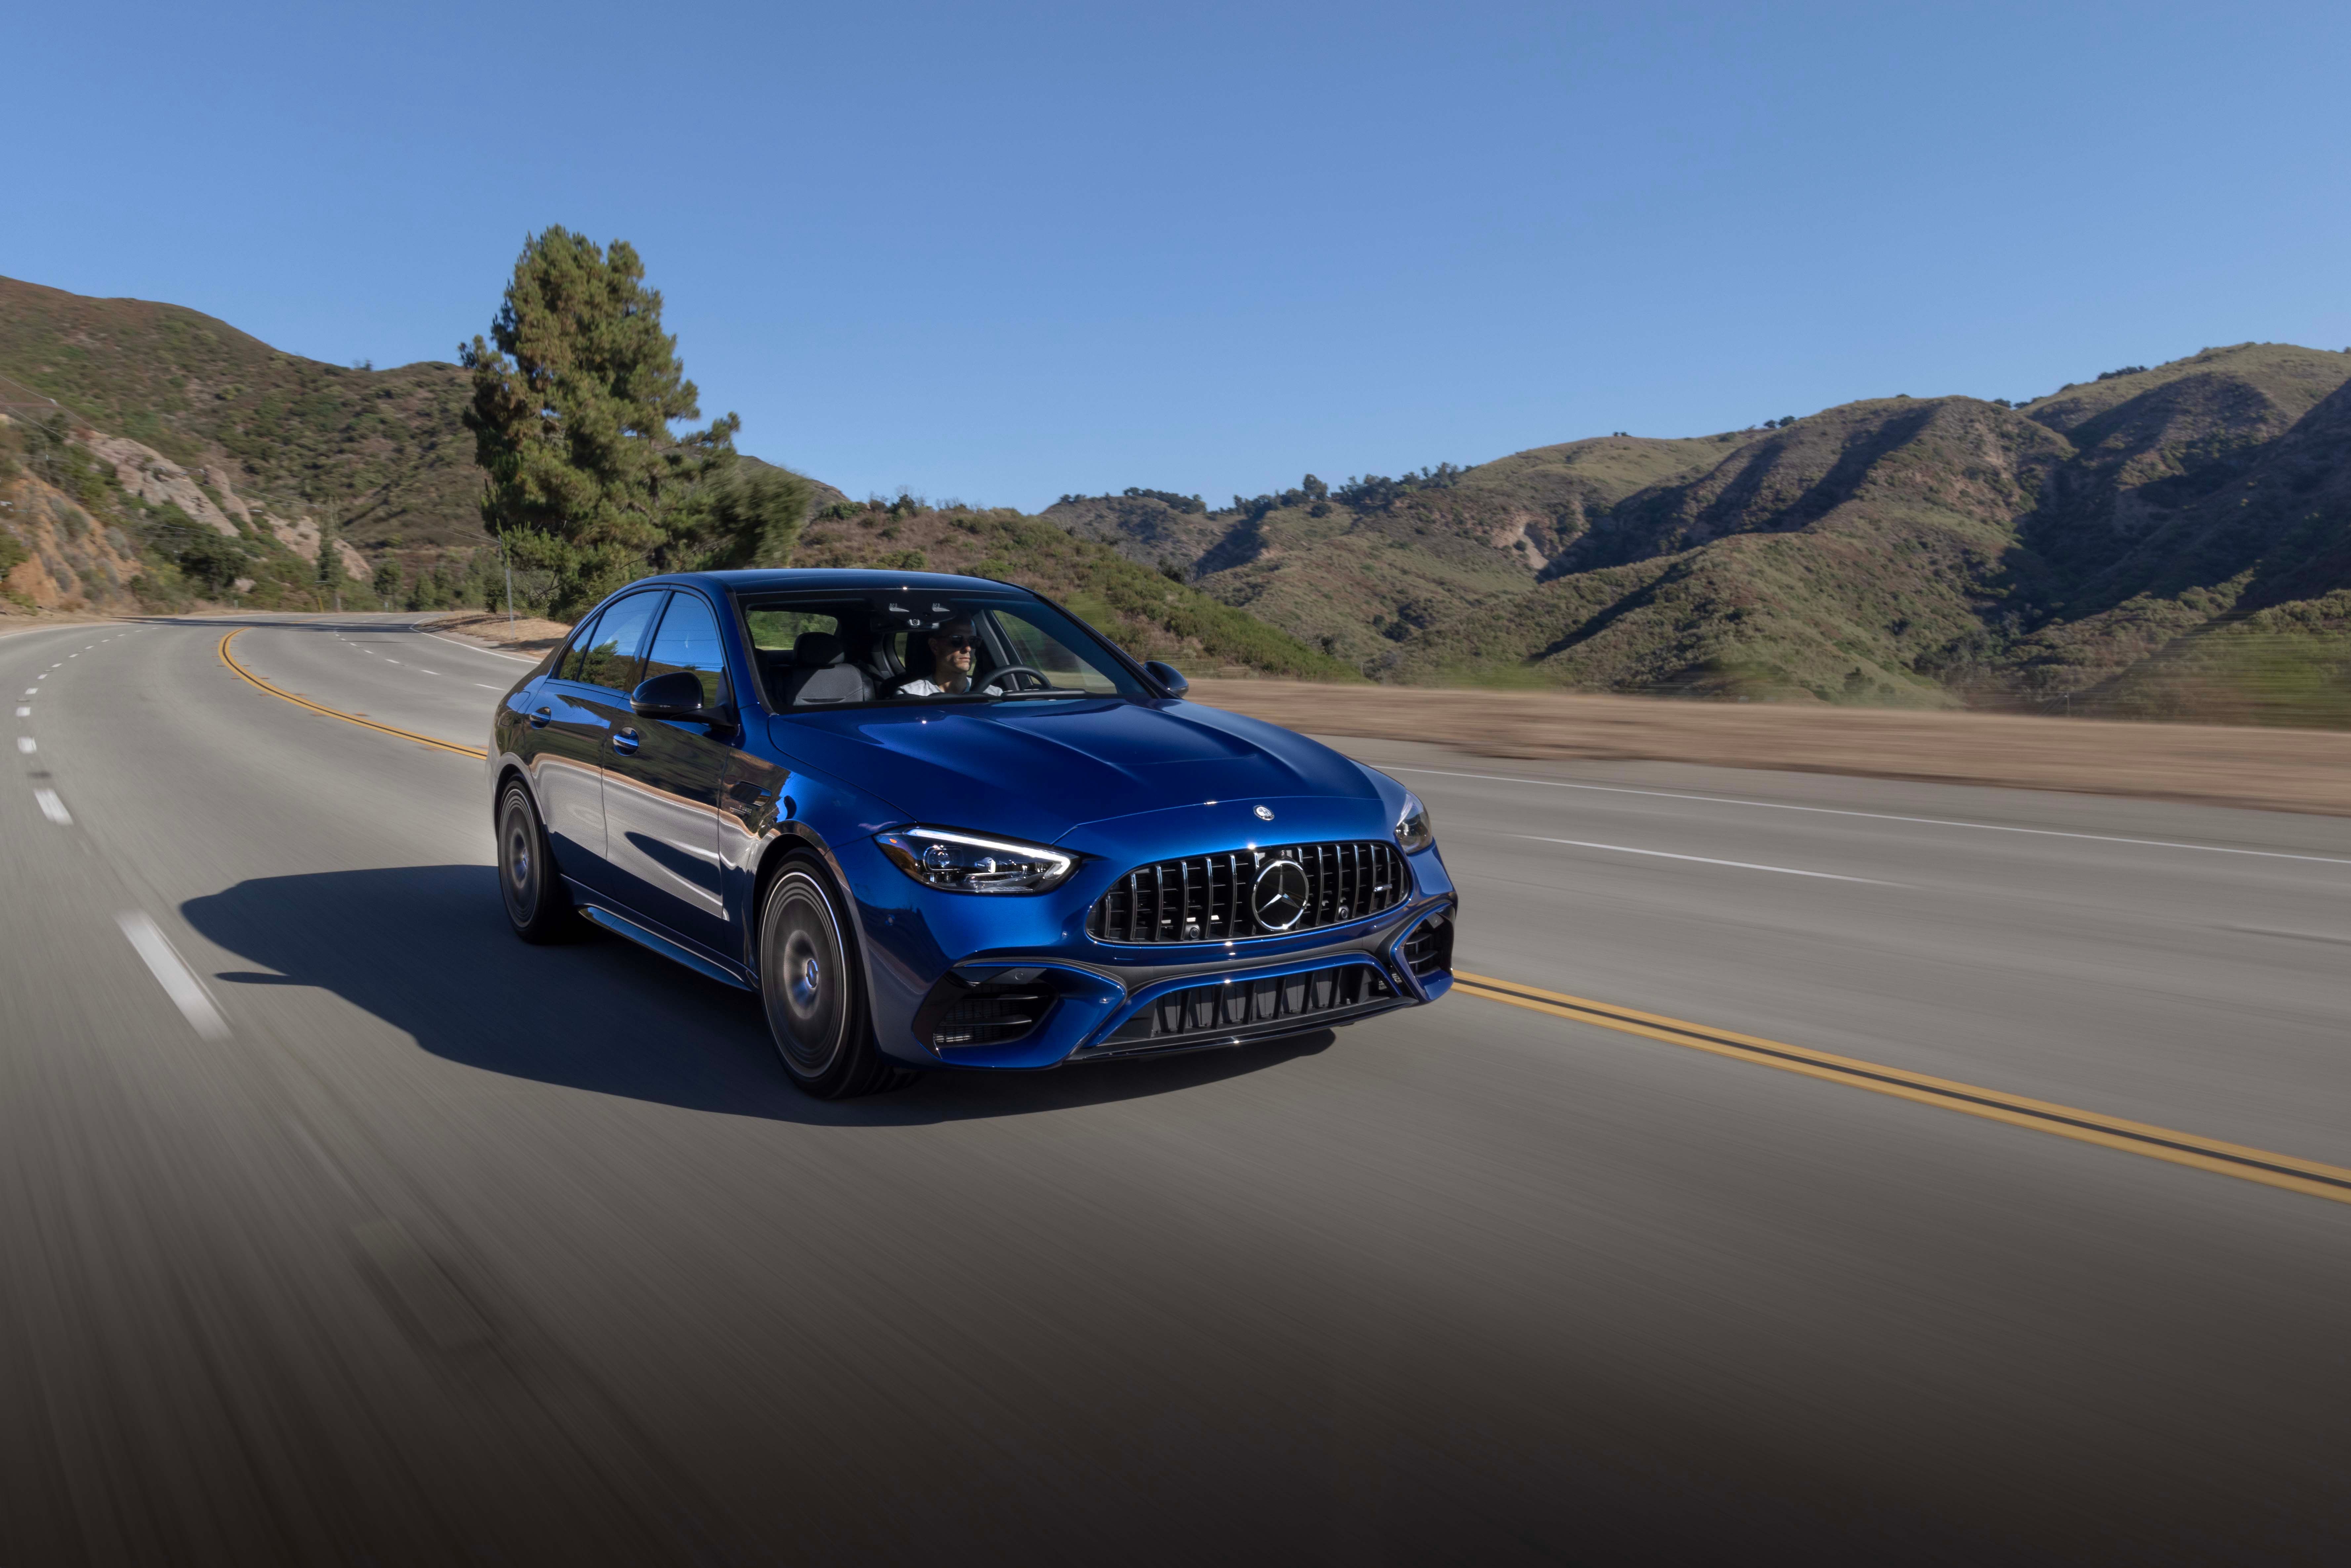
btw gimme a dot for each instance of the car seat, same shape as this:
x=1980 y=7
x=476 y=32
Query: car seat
x=819 y=675
x=919 y=664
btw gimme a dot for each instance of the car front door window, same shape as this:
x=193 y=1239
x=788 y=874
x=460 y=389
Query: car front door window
x=688 y=640
x=608 y=659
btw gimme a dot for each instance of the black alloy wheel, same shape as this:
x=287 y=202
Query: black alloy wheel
x=810 y=986
x=537 y=905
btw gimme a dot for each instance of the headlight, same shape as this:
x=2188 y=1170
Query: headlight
x=1413 y=830
x=966 y=862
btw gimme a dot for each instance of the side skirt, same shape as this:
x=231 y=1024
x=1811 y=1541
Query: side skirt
x=653 y=941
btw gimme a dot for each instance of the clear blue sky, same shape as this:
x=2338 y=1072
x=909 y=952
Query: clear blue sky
x=996 y=253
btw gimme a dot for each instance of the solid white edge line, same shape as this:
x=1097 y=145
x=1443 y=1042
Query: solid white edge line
x=493 y=653
x=1706 y=860
x=1874 y=816
x=52 y=807
x=179 y=981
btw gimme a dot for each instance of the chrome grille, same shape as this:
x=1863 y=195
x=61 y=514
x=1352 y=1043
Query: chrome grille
x=1212 y=898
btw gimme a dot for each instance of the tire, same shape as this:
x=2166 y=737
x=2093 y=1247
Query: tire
x=538 y=906
x=812 y=990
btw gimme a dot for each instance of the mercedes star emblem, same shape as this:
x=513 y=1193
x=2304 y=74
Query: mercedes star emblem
x=1280 y=895
x=1265 y=814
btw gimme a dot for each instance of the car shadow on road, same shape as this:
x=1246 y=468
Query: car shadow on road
x=426 y=949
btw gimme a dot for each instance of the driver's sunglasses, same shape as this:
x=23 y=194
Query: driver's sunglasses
x=960 y=640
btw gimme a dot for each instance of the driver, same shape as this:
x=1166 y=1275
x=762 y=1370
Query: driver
x=954 y=653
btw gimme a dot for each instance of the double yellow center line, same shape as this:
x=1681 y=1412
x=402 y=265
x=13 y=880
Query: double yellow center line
x=2311 y=1176
x=230 y=660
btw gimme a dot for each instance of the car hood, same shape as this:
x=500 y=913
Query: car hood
x=1040 y=769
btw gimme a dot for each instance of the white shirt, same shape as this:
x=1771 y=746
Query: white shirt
x=919 y=688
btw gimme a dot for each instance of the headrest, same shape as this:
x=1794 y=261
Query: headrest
x=815 y=650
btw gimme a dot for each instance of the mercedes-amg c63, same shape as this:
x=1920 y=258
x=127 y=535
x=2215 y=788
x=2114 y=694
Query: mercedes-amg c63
x=938 y=820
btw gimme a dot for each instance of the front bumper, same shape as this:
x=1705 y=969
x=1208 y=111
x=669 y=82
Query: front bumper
x=1073 y=1008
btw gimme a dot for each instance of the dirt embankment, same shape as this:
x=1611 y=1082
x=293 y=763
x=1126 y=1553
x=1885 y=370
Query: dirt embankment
x=2271 y=769
x=524 y=634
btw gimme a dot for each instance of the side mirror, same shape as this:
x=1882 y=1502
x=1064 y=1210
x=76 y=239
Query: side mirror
x=678 y=695
x=1170 y=679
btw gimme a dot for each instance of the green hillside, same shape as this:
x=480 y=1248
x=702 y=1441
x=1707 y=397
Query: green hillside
x=1356 y=568
x=384 y=446
x=386 y=450
x=2171 y=539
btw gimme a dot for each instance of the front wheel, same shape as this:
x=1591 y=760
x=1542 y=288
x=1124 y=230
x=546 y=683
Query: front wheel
x=537 y=905
x=810 y=989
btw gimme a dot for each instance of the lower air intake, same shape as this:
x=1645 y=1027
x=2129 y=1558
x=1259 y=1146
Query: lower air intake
x=1429 y=949
x=991 y=1015
x=1201 y=1015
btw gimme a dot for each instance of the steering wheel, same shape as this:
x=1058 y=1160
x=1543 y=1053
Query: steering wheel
x=996 y=677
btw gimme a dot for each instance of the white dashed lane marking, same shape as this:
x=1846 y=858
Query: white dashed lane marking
x=25 y=744
x=1708 y=859
x=179 y=982
x=52 y=807
x=24 y=713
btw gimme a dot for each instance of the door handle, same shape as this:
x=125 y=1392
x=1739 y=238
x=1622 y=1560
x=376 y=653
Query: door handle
x=540 y=716
x=625 y=742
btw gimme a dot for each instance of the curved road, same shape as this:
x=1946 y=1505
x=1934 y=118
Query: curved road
x=338 y=1226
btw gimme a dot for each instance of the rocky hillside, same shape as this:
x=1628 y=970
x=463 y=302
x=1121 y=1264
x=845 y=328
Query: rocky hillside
x=2190 y=523
x=379 y=457
x=1356 y=568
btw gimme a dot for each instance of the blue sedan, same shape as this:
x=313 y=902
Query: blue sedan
x=939 y=822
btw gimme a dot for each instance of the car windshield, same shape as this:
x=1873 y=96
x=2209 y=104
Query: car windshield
x=837 y=650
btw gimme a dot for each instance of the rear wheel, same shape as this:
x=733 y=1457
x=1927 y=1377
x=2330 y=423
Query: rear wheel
x=810 y=986
x=537 y=905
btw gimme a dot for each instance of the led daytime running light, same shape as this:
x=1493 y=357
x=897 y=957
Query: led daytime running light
x=969 y=862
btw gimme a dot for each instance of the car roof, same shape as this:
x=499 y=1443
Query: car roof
x=868 y=579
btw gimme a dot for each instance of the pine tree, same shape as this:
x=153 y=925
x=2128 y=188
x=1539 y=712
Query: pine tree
x=574 y=396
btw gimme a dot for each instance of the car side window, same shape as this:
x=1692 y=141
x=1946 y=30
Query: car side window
x=688 y=640
x=779 y=629
x=1041 y=650
x=611 y=653
x=575 y=657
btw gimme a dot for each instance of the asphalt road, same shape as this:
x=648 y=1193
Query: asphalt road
x=338 y=1226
